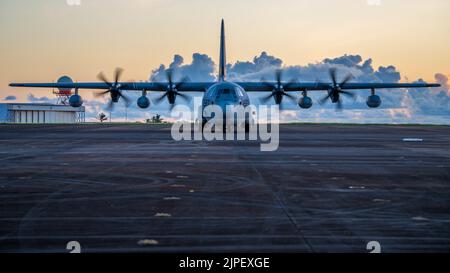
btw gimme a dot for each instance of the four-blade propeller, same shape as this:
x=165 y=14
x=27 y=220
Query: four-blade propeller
x=278 y=89
x=337 y=89
x=172 y=90
x=114 y=90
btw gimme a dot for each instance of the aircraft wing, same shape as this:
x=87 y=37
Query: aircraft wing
x=203 y=86
x=313 y=86
x=126 y=86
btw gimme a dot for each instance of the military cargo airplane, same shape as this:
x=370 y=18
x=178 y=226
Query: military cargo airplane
x=223 y=92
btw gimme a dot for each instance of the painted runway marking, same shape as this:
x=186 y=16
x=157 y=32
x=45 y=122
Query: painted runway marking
x=160 y=214
x=178 y=186
x=381 y=200
x=420 y=218
x=171 y=198
x=147 y=242
x=412 y=140
x=356 y=187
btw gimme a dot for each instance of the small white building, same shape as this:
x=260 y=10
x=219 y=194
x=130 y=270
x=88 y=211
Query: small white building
x=40 y=113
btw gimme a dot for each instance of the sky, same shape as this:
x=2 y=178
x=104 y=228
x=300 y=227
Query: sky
x=42 y=40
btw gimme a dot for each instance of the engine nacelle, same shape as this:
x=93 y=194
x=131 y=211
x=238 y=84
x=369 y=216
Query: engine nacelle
x=75 y=100
x=143 y=102
x=373 y=101
x=305 y=102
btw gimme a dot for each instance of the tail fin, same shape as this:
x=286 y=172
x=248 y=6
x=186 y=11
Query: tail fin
x=223 y=58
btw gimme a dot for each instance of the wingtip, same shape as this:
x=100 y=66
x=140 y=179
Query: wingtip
x=17 y=85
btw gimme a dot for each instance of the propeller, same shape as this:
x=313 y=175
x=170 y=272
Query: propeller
x=278 y=89
x=114 y=89
x=172 y=90
x=337 y=89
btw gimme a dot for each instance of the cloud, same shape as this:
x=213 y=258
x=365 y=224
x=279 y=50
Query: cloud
x=200 y=69
x=388 y=74
x=443 y=80
x=259 y=63
x=10 y=98
x=262 y=66
x=34 y=99
x=431 y=102
x=346 y=60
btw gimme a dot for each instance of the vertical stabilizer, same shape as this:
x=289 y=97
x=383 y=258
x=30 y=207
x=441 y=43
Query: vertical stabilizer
x=223 y=58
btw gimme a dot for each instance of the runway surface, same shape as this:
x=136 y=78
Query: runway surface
x=329 y=188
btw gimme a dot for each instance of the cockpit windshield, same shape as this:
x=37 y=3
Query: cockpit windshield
x=226 y=94
x=225 y=91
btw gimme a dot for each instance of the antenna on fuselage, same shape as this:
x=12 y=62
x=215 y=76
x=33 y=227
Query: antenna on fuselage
x=223 y=59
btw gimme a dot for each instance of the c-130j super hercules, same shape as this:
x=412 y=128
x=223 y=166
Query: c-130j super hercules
x=222 y=92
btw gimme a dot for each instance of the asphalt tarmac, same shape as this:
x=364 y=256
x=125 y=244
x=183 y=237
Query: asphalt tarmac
x=131 y=188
